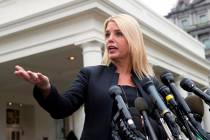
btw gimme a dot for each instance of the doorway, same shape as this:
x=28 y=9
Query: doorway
x=20 y=121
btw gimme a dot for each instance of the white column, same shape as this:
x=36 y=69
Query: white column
x=190 y=20
x=195 y=21
x=92 y=55
x=176 y=21
x=208 y=13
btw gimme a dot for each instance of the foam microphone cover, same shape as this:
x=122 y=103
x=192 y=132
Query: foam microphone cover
x=136 y=116
x=140 y=104
x=195 y=103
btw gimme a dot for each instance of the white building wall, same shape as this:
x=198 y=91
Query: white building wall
x=31 y=27
x=16 y=9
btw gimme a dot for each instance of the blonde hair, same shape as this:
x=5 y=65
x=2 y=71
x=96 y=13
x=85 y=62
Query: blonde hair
x=132 y=32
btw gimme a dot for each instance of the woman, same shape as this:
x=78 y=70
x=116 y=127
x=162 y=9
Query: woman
x=124 y=63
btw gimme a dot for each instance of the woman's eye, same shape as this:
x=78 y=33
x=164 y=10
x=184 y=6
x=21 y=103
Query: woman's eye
x=119 y=33
x=107 y=35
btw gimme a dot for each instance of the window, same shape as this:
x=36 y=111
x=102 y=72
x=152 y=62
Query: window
x=203 y=18
x=206 y=42
x=13 y=116
x=184 y=23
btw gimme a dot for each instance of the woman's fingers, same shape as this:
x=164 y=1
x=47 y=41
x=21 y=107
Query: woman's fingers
x=42 y=77
x=26 y=75
x=44 y=81
x=17 y=68
x=35 y=78
x=39 y=79
x=21 y=73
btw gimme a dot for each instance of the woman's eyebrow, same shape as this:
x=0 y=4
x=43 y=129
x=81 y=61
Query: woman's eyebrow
x=116 y=30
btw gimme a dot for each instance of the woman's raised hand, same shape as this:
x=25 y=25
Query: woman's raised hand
x=34 y=78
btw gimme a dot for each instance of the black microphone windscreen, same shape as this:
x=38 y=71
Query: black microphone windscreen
x=140 y=104
x=187 y=84
x=196 y=105
x=167 y=77
x=164 y=90
x=136 y=116
x=115 y=90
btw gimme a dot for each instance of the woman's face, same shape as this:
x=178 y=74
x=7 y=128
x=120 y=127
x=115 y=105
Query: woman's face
x=116 y=44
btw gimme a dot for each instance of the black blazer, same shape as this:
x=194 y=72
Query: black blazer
x=91 y=89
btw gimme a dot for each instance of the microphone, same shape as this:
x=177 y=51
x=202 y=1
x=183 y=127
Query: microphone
x=173 y=105
x=168 y=79
x=149 y=87
x=196 y=106
x=207 y=91
x=125 y=124
x=190 y=86
x=142 y=107
x=116 y=92
x=169 y=98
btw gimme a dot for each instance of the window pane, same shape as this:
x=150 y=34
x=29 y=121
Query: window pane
x=13 y=116
x=203 y=18
x=185 y=23
x=206 y=42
